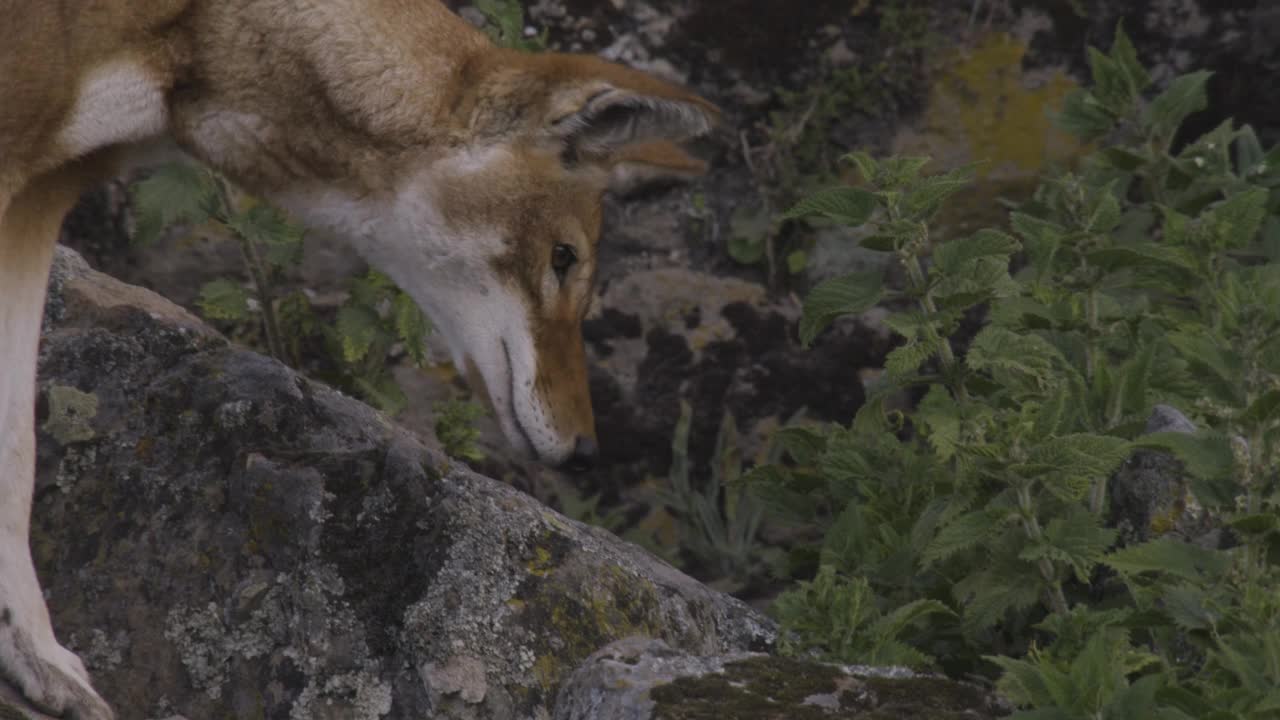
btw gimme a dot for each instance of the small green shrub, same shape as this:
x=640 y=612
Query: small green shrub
x=1151 y=274
x=456 y=429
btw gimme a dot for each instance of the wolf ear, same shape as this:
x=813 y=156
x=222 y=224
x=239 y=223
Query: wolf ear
x=639 y=165
x=597 y=108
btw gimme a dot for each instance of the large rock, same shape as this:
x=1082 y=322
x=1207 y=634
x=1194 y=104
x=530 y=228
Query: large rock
x=643 y=679
x=220 y=537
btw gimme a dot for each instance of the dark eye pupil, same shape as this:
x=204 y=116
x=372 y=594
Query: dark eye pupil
x=562 y=256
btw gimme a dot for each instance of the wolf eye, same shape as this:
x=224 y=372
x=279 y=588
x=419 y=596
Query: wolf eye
x=562 y=258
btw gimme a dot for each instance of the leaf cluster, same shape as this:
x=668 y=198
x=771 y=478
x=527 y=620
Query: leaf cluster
x=1148 y=275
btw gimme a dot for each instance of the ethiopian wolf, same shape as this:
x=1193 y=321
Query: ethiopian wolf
x=469 y=174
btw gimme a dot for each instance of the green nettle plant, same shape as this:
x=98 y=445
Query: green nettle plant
x=353 y=350
x=971 y=528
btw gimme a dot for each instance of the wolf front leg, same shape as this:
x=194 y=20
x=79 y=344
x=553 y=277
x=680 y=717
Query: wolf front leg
x=52 y=678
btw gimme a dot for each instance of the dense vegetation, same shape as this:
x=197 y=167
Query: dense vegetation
x=964 y=512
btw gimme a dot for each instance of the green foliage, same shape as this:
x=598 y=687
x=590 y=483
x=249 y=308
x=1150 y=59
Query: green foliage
x=790 y=155
x=718 y=518
x=456 y=429
x=352 y=350
x=1148 y=275
x=504 y=23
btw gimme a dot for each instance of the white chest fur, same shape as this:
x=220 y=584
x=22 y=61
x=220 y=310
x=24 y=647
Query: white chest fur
x=118 y=102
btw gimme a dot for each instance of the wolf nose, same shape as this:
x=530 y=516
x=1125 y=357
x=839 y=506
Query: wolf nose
x=585 y=452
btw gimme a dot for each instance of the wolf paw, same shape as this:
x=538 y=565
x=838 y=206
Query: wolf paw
x=50 y=677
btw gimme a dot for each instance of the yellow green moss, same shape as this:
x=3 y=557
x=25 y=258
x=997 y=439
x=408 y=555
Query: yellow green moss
x=70 y=413
x=984 y=107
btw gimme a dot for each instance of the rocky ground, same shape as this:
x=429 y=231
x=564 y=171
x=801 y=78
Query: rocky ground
x=220 y=537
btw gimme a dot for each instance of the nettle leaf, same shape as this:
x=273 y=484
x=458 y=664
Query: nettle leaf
x=1264 y=410
x=1166 y=555
x=1187 y=606
x=804 y=444
x=411 y=326
x=847 y=295
x=1235 y=222
x=905 y=360
x=269 y=229
x=846 y=205
x=963 y=533
x=958 y=255
x=1104 y=210
x=1196 y=346
x=223 y=299
x=1249 y=152
x=357 y=328
x=1141 y=255
x=1205 y=455
x=991 y=593
x=1111 y=84
x=1084 y=116
x=997 y=348
x=940 y=416
x=1075 y=538
x=898 y=172
x=903 y=617
x=1184 y=96
x=924 y=199
x=174 y=193
x=1123 y=52
x=1070 y=464
x=867 y=165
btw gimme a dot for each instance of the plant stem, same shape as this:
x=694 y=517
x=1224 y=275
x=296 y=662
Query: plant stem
x=269 y=323
x=915 y=272
x=1030 y=525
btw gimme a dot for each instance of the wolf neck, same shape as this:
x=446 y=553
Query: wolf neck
x=278 y=96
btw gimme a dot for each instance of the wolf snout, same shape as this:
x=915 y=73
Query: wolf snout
x=584 y=455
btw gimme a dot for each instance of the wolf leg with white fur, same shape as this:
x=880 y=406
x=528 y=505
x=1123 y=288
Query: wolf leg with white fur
x=49 y=675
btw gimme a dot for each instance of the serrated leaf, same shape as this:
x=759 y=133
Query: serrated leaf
x=1264 y=410
x=905 y=616
x=966 y=531
x=269 y=229
x=1249 y=152
x=411 y=326
x=1076 y=539
x=905 y=360
x=997 y=348
x=1166 y=555
x=940 y=417
x=1123 y=52
x=1235 y=222
x=1184 y=96
x=957 y=255
x=1205 y=455
x=1140 y=255
x=357 y=328
x=833 y=298
x=223 y=299
x=867 y=165
x=1257 y=524
x=174 y=193
x=1083 y=116
x=924 y=199
x=1071 y=464
x=1111 y=84
x=1186 y=605
x=846 y=205
x=803 y=444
